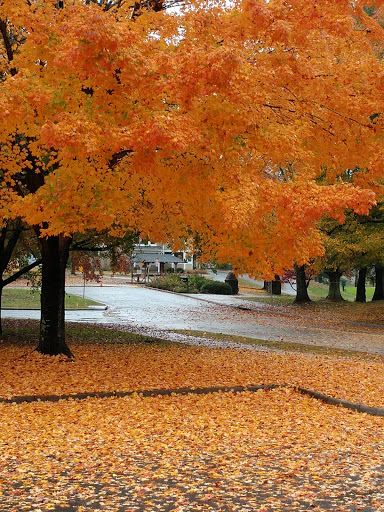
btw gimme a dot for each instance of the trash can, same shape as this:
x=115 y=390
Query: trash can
x=231 y=279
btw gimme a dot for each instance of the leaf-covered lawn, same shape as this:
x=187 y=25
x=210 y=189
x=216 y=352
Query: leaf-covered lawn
x=108 y=360
x=266 y=451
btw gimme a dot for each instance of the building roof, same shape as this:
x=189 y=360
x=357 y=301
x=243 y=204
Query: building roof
x=156 y=258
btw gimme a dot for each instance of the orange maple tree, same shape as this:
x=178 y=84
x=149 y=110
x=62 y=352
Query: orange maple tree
x=174 y=124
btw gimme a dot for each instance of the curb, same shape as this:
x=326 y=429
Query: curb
x=372 y=411
x=90 y=308
x=357 y=407
x=143 y=393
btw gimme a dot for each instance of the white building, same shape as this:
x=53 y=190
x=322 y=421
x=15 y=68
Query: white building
x=158 y=257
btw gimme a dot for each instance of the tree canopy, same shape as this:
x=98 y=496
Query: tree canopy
x=214 y=122
x=179 y=123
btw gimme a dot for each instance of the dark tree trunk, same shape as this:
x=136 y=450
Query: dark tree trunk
x=276 y=285
x=334 y=292
x=379 y=283
x=1 y=299
x=54 y=255
x=301 y=286
x=360 y=285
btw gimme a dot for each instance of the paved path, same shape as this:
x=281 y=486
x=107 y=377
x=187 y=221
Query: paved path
x=141 y=308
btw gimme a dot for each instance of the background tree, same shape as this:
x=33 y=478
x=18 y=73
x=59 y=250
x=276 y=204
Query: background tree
x=356 y=244
x=302 y=282
x=343 y=251
x=87 y=250
x=360 y=285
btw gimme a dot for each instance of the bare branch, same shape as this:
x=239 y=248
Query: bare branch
x=7 y=44
x=21 y=272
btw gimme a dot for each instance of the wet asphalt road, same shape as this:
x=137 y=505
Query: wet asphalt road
x=140 y=308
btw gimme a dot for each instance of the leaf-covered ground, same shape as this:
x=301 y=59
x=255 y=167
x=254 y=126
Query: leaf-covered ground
x=126 y=366
x=265 y=451
x=331 y=311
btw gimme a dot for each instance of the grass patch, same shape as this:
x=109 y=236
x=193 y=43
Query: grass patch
x=25 y=332
x=350 y=292
x=316 y=292
x=329 y=311
x=320 y=291
x=286 y=346
x=22 y=298
x=83 y=333
x=245 y=283
x=277 y=300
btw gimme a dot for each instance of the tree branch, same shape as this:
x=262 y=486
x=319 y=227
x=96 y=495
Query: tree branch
x=117 y=157
x=7 y=44
x=82 y=246
x=21 y=272
x=9 y=247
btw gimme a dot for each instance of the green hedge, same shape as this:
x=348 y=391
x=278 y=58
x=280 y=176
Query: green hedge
x=217 y=287
x=196 y=284
x=196 y=281
x=169 y=282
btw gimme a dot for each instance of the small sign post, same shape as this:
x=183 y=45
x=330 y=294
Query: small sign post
x=81 y=270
